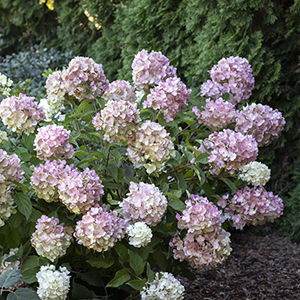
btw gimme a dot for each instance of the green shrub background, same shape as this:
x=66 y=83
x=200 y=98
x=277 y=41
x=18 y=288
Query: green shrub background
x=194 y=35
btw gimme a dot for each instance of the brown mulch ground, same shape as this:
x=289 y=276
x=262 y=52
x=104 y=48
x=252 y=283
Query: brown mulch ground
x=259 y=267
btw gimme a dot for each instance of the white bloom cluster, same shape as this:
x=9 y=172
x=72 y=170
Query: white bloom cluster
x=53 y=284
x=256 y=173
x=3 y=136
x=5 y=84
x=164 y=287
x=139 y=234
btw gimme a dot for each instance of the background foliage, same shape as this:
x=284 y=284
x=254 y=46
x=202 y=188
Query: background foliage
x=194 y=35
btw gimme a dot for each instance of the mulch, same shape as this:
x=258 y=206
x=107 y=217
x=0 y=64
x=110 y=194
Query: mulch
x=259 y=267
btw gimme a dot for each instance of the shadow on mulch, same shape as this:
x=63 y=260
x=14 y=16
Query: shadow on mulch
x=259 y=267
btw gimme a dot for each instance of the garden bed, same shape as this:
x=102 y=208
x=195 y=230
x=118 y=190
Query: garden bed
x=259 y=267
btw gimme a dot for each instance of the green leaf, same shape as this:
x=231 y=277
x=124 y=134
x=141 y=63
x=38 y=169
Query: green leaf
x=23 y=294
x=150 y=273
x=200 y=174
x=81 y=292
x=229 y=183
x=121 y=277
x=137 y=284
x=177 y=205
x=13 y=238
x=122 y=252
x=112 y=186
x=24 y=204
x=117 y=155
x=29 y=276
x=82 y=105
x=136 y=262
x=15 y=220
x=180 y=181
x=101 y=262
x=30 y=261
x=10 y=277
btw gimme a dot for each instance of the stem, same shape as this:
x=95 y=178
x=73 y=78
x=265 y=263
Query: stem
x=187 y=165
x=107 y=158
x=156 y=115
x=185 y=128
x=133 y=295
x=131 y=272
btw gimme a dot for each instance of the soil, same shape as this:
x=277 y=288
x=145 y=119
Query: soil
x=259 y=267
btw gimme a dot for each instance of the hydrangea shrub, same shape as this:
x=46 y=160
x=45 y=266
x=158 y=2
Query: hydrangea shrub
x=120 y=179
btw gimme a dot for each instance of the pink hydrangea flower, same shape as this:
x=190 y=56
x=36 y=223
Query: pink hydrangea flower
x=216 y=114
x=120 y=90
x=261 y=121
x=85 y=79
x=46 y=178
x=211 y=89
x=50 y=239
x=56 y=90
x=202 y=250
x=254 y=206
x=21 y=114
x=152 y=148
x=10 y=167
x=100 y=229
x=79 y=191
x=51 y=142
x=170 y=96
x=200 y=215
x=144 y=203
x=149 y=69
x=235 y=76
x=119 y=120
x=229 y=150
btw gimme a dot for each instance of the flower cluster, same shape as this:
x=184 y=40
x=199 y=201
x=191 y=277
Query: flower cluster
x=79 y=191
x=56 y=90
x=50 y=239
x=7 y=207
x=139 y=234
x=202 y=250
x=100 y=229
x=149 y=69
x=5 y=84
x=216 y=114
x=234 y=76
x=164 y=286
x=119 y=120
x=3 y=136
x=10 y=167
x=84 y=79
x=206 y=243
x=256 y=173
x=49 y=110
x=152 y=148
x=21 y=114
x=200 y=215
x=254 y=206
x=169 y=96
x=261 y=121
x=144 y=203
x=51 y=142
x=46 y=178
x=53 y=284
x=229 y=150
x=120 y=90
x=211 y=89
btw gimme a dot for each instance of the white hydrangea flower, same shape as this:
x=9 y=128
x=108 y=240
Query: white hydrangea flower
x=256 y=173
x=3 y=136
x=139 y=234
x=164 y=287
x=53 y=284
x=5 y=84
